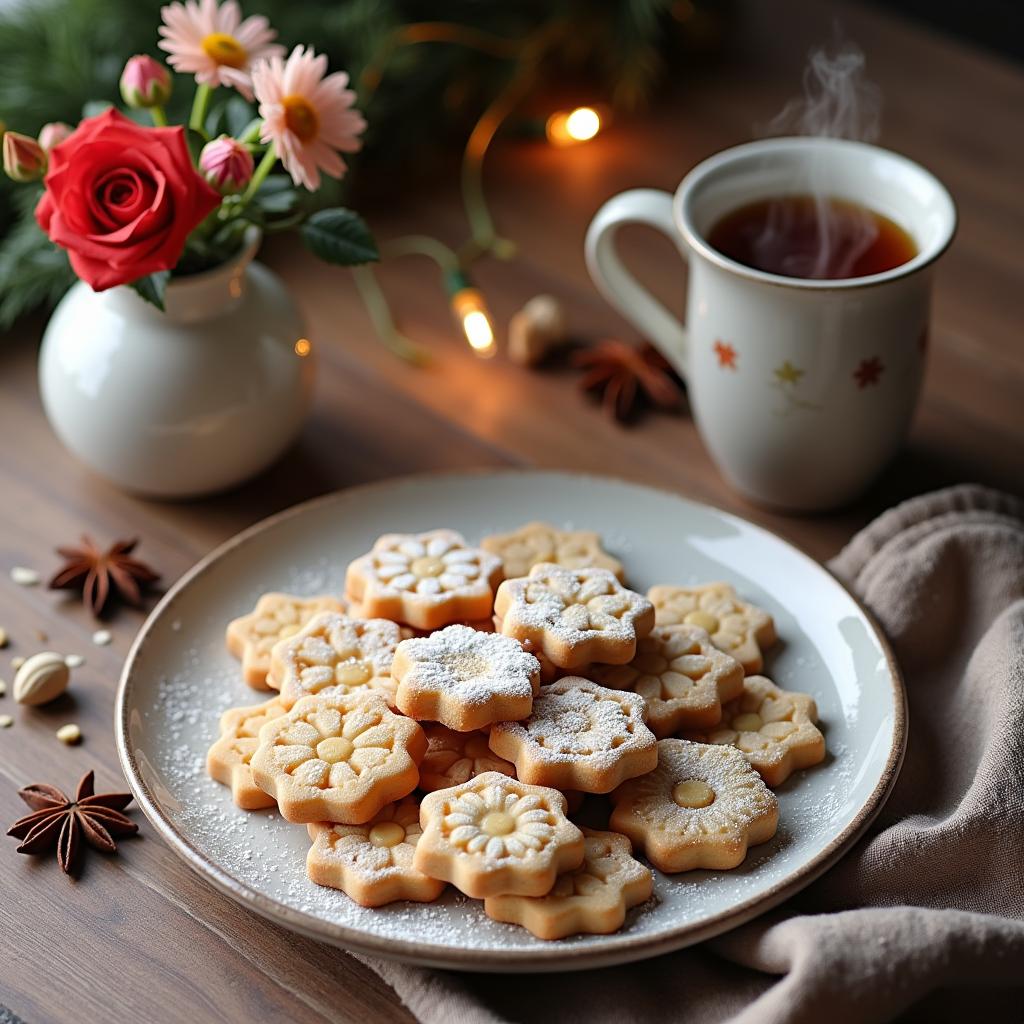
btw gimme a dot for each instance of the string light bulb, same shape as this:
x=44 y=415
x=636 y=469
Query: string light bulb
x=570 y=127
x=471 y=314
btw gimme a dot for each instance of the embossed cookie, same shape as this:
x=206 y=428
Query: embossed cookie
x=339 y=758
x=592 y=899
x=228 y=759
x=774 y=729
x=580 y=736
x=494 y=835
x=372 y=863
x=464 y=679
x=702 y=807
x=740 y=629
x=533 y=543
x=574 y=616
x=456 y=757
x=425 y=580
x=683 y=677
x=276 y=617
x=334 y=654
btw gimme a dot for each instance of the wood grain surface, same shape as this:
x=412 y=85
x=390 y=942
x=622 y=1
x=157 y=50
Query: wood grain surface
x=142 y=937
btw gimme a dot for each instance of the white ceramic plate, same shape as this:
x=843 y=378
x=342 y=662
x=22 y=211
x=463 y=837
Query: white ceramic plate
x=179 y=678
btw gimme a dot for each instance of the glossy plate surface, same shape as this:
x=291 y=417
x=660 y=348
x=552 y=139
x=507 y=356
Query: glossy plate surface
x=179 y=678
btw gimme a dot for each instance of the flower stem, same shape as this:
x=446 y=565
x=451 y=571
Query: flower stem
x=263 y=168
x=252 y=132
x=200 y=104
x=158 y=115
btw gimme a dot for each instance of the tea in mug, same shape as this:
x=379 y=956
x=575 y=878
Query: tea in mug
x=812 y=237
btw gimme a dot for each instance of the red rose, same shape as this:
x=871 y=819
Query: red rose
x=122 y=199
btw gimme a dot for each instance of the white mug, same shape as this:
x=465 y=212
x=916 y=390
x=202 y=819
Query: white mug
x=801 y=389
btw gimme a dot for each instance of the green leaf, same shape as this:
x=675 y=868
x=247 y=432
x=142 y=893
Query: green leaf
x=152 y=287
x=278 y=201
x=340 y=236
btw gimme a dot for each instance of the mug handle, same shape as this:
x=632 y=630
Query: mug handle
x=622 y=290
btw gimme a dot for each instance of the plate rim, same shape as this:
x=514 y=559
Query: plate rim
x=615 y=950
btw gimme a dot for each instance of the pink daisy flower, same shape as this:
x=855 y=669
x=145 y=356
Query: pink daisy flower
x=308 y=118
x=212 y=42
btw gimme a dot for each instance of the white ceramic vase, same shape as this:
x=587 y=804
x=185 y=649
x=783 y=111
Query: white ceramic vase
x=185 y=402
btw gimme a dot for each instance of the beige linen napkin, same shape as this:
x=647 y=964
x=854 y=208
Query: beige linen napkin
x=924 y=918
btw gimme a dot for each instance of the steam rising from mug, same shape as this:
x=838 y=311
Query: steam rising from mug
x=837 y=102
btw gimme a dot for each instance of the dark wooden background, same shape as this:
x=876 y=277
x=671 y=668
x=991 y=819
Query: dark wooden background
x=141 y=934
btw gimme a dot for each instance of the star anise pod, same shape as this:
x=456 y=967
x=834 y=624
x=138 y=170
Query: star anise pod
x=627 y=377
x=56 y=820
x=99 y=574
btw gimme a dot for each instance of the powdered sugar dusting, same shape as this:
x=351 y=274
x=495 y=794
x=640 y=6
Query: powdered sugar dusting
x=470 y=665
x=577 y=721
x=183 y=679
x=571 y=605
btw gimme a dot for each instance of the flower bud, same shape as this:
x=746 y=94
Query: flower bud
x=145 y=82
x=226 y=164
x=24 y=158
x=53 y=134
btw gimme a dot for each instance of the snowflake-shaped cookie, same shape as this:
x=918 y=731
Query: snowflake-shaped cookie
x=339 y=758
x=574 y=616
x=426 y=580
x=494 y=835
x=740 y=629
x=593 y=899
x=275 y=617
x=702 y=807
x=228 y=759
x=333 y=654
x=580 y=736
x=774 y=728
x=372 y=863
x=456 y=757
x=533 y=543
x=465 y=679
x=683 y=677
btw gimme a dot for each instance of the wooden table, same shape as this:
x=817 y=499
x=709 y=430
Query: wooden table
x=141 y=934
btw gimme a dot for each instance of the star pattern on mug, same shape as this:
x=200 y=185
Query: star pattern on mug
x=726 y=355
x=787 y=373
x=869 y=372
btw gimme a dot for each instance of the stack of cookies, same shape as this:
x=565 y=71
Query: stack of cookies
x=444 y=721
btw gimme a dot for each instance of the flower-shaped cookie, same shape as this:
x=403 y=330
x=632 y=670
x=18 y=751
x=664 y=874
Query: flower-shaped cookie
x=580 y=736
x=426 y=580
x=335 y=654
x=683 y=677
x=464 y=679
x=593 y=899
x=495 y=835
x=740 y=629
x=574 y=616
x=275 y=617
x=702 y=807
x=533 y=543
x=228 y=759
x=456 y=757
x=372 y=863
x=774 y=728
x=338 y=758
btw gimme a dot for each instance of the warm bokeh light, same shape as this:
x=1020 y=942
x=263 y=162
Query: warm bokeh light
x=303 y=347
x=471 y=312
x=566 y=128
